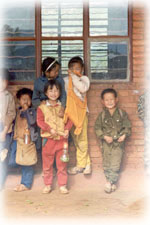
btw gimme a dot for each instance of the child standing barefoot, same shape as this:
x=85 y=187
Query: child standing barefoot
x=54 y=134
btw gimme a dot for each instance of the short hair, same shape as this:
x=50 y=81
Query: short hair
x=47 y=62
x=4 y=74
x=24 y=91
x=108 y=90
x=74 y=60
x=50 y=84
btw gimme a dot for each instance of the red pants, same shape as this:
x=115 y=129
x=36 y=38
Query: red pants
x=52 y=149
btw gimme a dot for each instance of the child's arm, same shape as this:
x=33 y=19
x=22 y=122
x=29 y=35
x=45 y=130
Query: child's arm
x=98 y=127
x=81 y=83
x=10 y=116
x=37 y=97
x=68 y=126
x=41 y=122
x=126 y=127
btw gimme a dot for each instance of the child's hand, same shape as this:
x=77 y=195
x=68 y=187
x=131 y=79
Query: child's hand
x=66 y=134
x=53 y=133
x=2 y=136
x=25 y=107
x=3 y=154
x=61 y=112
x=122 y=138
x=108 y=139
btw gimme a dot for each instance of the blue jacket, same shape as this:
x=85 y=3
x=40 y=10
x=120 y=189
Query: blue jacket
x=38 y=91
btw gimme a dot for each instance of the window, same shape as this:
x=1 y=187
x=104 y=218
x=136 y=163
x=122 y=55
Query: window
x=97 y=31
x=18 y=47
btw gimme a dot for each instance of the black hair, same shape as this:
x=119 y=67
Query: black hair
x=24 y=91
x=74 y=60
x=50 y=84
x=4 y=74
x=46 y=63
x=108 y=90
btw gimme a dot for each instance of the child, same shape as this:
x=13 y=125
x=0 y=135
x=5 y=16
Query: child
x=50 y=68
x=76 y=110
x=54 y=134
x=24 y=130
x=112 y=127
x=7 y=115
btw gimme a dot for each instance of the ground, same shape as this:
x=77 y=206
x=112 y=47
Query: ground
x=86 y=198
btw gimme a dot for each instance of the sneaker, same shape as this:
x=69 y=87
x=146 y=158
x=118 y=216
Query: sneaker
x=47 y=189
x=63 y=190
x=87 y=170
x=107 y=188
x=113 y=187
x=75 y=170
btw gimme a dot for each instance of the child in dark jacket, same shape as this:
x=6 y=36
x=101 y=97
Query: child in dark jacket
x=25 y=127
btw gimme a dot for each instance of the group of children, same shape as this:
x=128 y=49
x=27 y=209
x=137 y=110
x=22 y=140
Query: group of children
x=56 y=108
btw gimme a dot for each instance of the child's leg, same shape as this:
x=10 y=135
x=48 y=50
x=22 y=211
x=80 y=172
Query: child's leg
x=115 y=163
x=48 y=159
x=27 y=176
x=81 y=144
x=61 y=169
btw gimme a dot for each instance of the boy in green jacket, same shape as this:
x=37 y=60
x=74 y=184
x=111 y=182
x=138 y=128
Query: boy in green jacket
x=112 y=127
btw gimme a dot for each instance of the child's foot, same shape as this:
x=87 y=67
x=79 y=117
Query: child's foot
x=87 y=170
x=63 y=190
x=113 y=187
x=47 y=189
x=107 y=188
x=21 y=187
x=3 y=154
x=75 y=170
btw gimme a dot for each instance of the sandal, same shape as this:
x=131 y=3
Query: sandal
x=21 y=187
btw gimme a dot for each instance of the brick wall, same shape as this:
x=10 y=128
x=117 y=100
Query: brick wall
x=128 y=97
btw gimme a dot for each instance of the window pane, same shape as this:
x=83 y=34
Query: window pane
x=63 y=51
x=106 y=19
x=109 y=60
x=19 y=59
x=19 y=21
x=62 y=18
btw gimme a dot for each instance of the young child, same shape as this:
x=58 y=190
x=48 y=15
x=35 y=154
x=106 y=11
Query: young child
x=54 y=134
x=77 y=86
x=50 y=69
x=112 y=127
x=7 y=115
x=25 y=127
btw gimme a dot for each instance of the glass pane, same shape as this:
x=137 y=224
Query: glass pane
x=19 y=59
x=19 y=20
x=108 y=19
x=63 y=51
x=109 y=60
x=62 y=18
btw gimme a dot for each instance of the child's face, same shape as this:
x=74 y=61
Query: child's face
x=25 y=101
x=3 y=85
x=77 y=69
x=53 y=94
x=109 y=100
x=53 y=73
